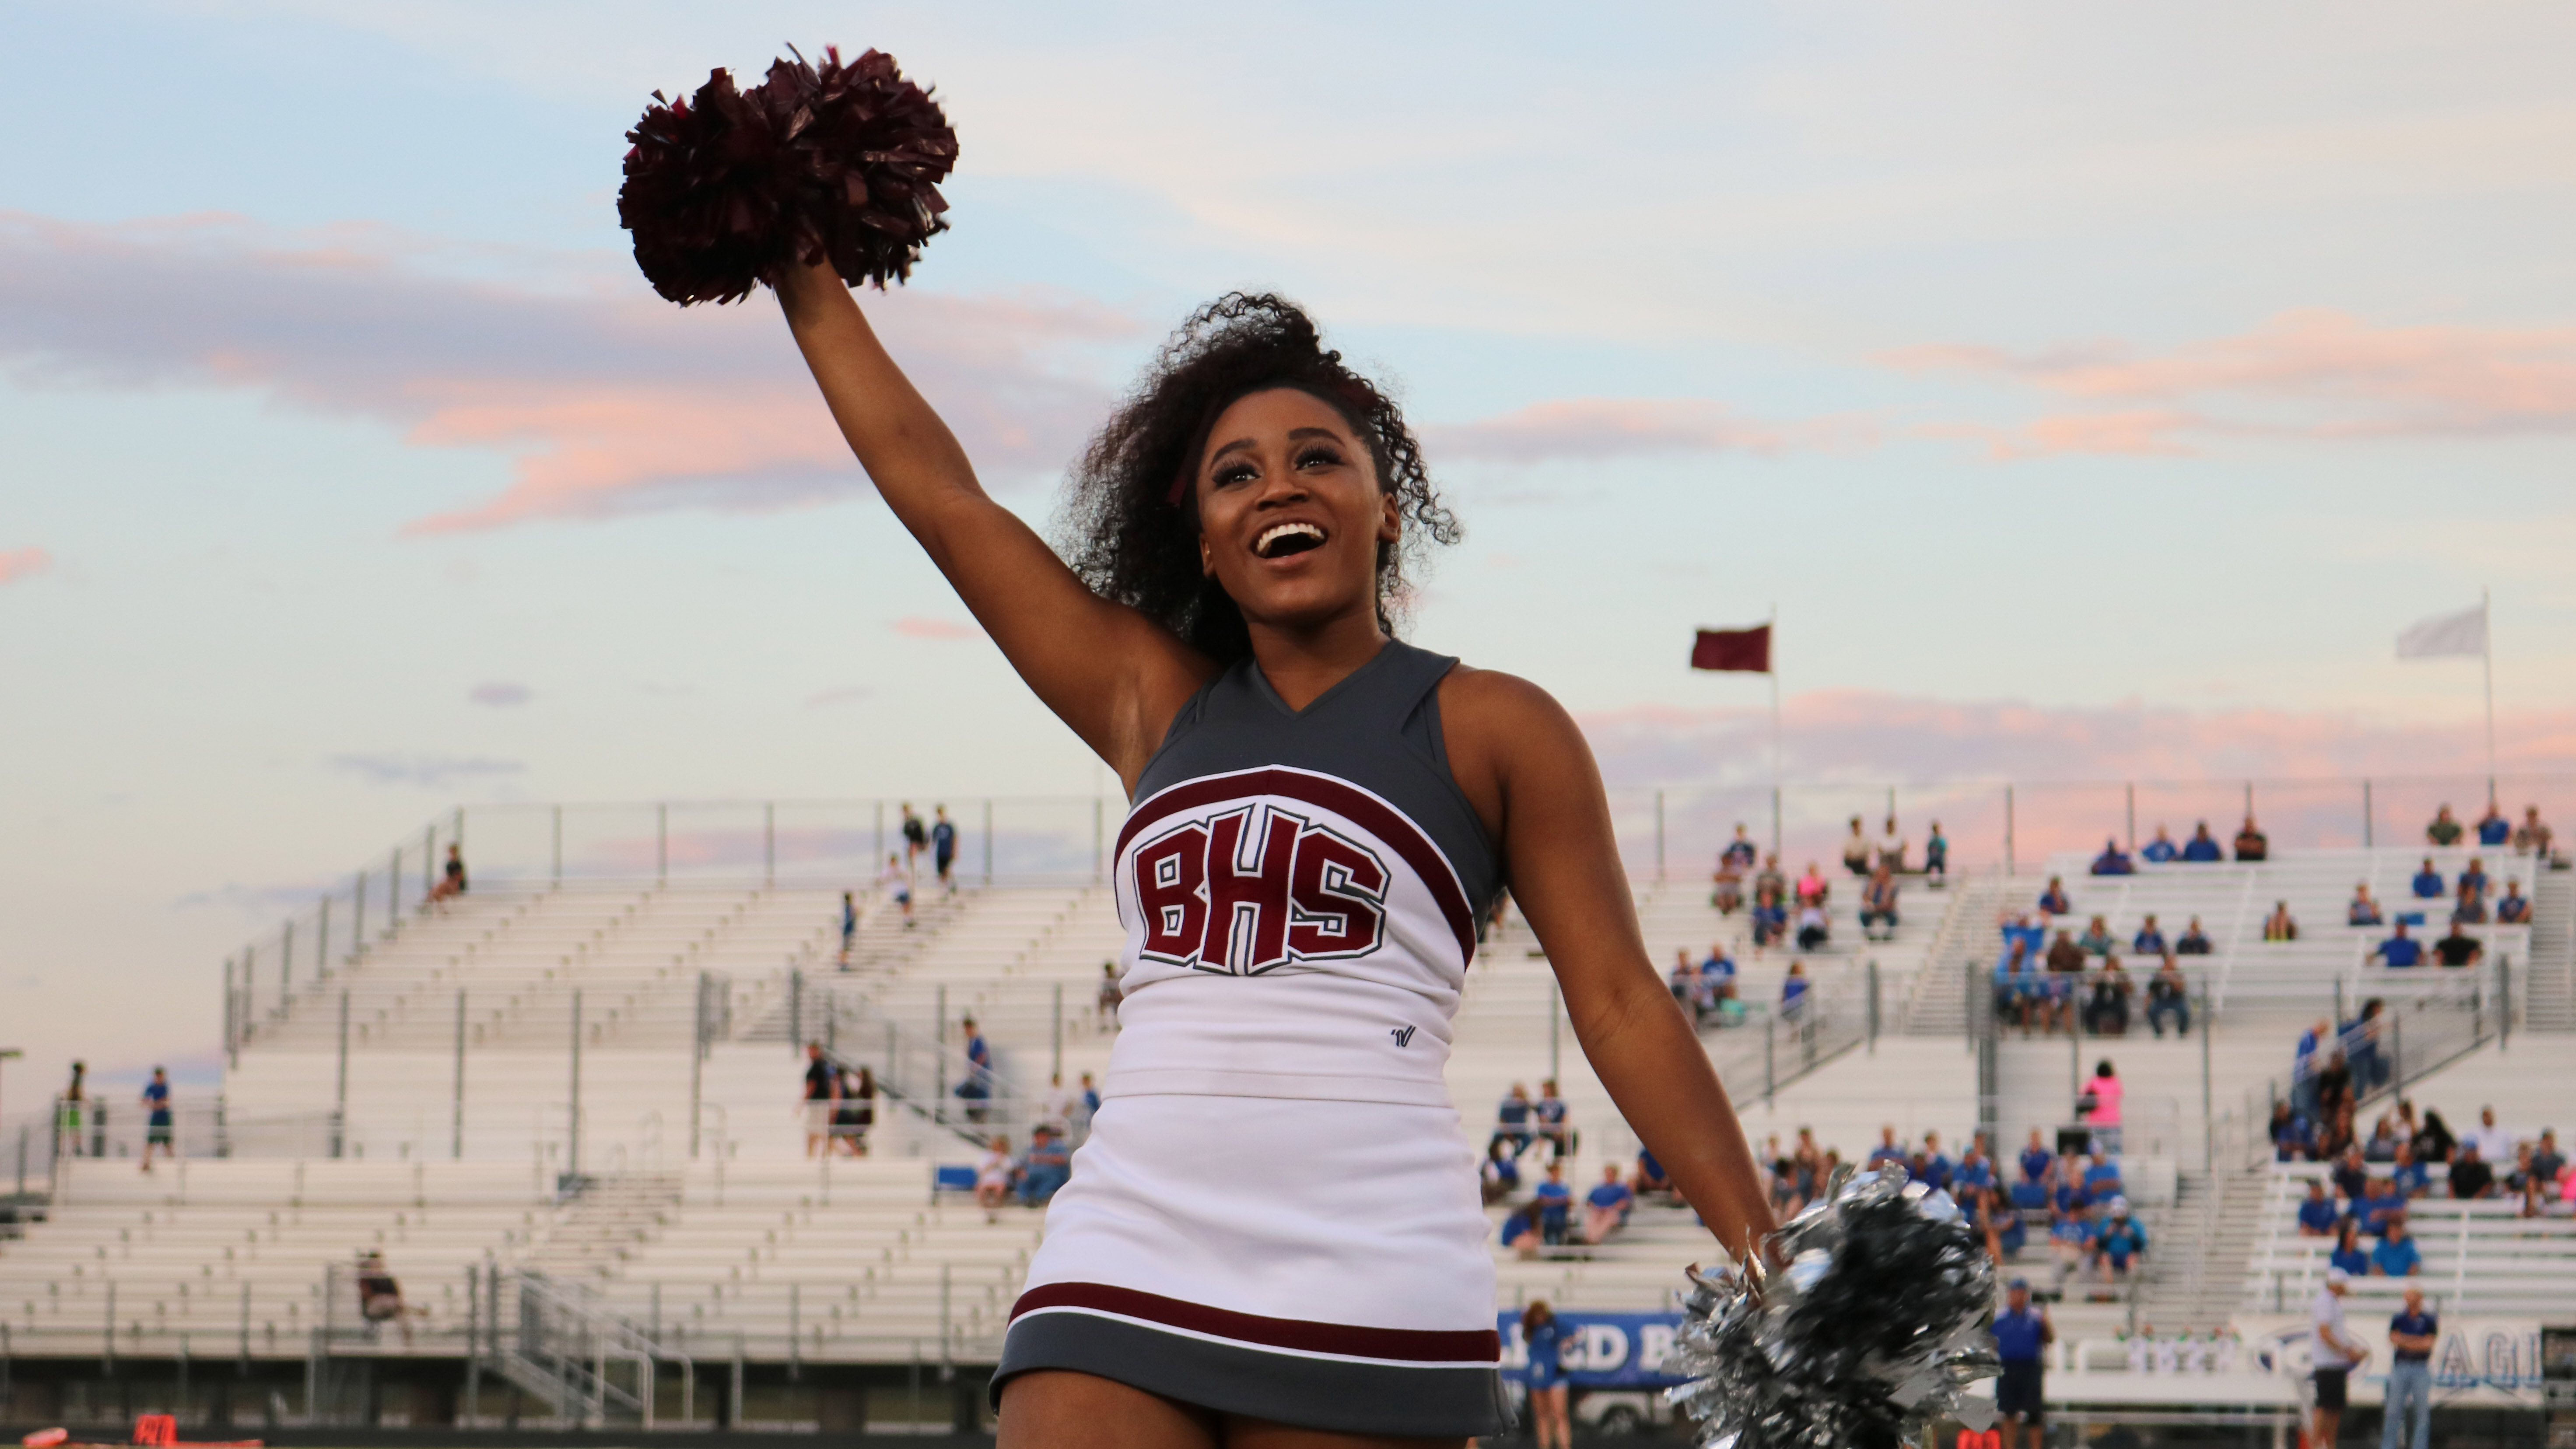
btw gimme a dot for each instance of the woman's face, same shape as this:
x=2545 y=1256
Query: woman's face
x=1290 y=511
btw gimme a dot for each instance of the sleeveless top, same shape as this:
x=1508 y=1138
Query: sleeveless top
x=1302 y=892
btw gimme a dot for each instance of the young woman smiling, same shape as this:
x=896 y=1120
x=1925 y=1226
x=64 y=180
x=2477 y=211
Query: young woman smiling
x=1273 y=1236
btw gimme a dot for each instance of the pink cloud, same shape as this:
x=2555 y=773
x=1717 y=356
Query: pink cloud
x=23 y=563
x=1597 y=428
x=608 y=401
x=916 y=627
x=2316 y=374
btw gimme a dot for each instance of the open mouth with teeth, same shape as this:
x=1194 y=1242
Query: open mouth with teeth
x=1283 y=539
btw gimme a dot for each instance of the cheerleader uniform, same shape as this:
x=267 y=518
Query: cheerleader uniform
x=1276 y=1213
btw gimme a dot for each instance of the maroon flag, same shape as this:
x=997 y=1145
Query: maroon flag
x=1745 y=651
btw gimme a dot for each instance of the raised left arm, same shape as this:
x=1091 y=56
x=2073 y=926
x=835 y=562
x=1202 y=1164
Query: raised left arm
x=1512 y=744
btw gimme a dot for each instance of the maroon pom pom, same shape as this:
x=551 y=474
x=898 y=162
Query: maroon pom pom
x=837 y=163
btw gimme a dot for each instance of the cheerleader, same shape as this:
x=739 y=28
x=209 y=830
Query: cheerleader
x=1273 y=1234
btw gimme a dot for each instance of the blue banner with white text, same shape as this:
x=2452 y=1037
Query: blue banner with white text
x=1601 y=1350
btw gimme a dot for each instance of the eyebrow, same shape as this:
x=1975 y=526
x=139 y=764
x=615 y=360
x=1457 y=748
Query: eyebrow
x=1293 y=434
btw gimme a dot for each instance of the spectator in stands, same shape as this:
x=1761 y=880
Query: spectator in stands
x=1500 y=1174
x=2474 y=878
x=2278 y=926
x=2303 y=1068
x=1770 y=917
x=2107 y=1013
x=2169 y=996
x=2203 y=848
x=2334 y=1084
x=2348 y=1255
x=1793 y=992
x=1044 y=1167
x=1891 y=847
x=1651 y=1177
x=1683 y=981
x=1930 y=1164
x=2317 y=1215
x=1813 y=888
x=1856 y=849
x=380 y=1295
x=1739 y=854
x=1771 y=877
x=822 y=1082
x=2400 y=949
x=897 y=882
x=2099 y=1108
x=2161 y=850
x=1878 y=904
x=2512 y=908
x=2193 y=941
x=157 y=1129
x=2053 y=901
x=2382 y=1146
x=1520 y=1231
x=1936 y=852
x=1549 y=1113
x=2493 y=828
x=1543 y=1381
x=2520 y=1179
x=2427 y=884
x=849 y=926
x=2433 y=1140
x=977 y=1087
x=2096 y=939
x=2070 y=1241
x=2459 y=948
x=2363 y=911
x=994 y=1176
x=2036 y=1159
x=2065 y=969
x=2150 y=940
x=2251 y=843
x=2471 y=907
x=451 y=882
x=2113 y=860
x=1105 y=1002
x=2382 y=1202
x=855 y=1111
x=2396 y=1256
x=2017 y=986
x=2361 y=1045
x=943 y=848
x=1888 y=1148
x=2120 y=1242
x=2445 y=829
x=1813 y=929
x=1554 y=1200
x=2412 y=1333
x=1606 y=1207
x=2351 y=1177
x=2471 y=1177
x=2022 y=1335
x=1512 y=1120
x=1976 y=1168
x=2407 y=1170
x=2336 y=1137
x=916 y=836
x=1733 y=864
x=2531 y=837
x=2546 y=1159
x=1716 y=977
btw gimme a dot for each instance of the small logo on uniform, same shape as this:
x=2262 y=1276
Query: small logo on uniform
x=1403 y=1035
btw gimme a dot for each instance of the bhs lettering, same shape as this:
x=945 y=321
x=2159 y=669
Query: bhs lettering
x=1257 y=888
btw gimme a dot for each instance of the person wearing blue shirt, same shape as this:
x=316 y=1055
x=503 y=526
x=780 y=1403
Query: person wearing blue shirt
x=943 y=848
x=2493 y=828
x=157 y=1128
x=2022 y=1335
x=2203 y=847
x=978 y=1086
x=2317 y=1215
x=849 y=926
x=2386 y=1201
x=2428 y=882
x=2113 y=860
x=1931 y=1165
x=1544 y=1378
x=2101 y=1176
x=2400 y=949
x=2150 y=940
x=2349 y=1254
x=1888 y=1148
x=2010 y=1235
x=2016 y=982
x=1520 y=1232
x=1044 y=1167
x=2396 y=1256
x=2412 y=1332
x=1793 y=989
x=1549 y=1113
x=2411 y=1177
x=2160 y=850
x=1511 y=1120
x=2071 y=1198
x=1974 y=1169
x=2513 y=908
x=2053 y=900
x=2070 y=1238
x=2364 y=911
x=1501 y=1175
x=1606 y=1206
x=1554 y=1201
x=2036 y=1158
x=2120 y=1240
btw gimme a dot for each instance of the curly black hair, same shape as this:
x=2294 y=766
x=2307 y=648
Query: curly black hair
x=1129 y=520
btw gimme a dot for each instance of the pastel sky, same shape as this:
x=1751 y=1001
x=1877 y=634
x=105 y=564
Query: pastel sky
x=2094 y=393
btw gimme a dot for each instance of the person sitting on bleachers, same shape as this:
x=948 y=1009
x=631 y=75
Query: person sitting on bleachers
x=2096 y=940
x=2150 y=940
x=2400 y=949
x=1891 y=847
x=2113 y=860
x=2169 y=995
x=1500 y=1176
x=2471 y=1177
x=2427 y=884
x=380 y=1297
x=1813 y=888
x=2364 y=911
x=1716 y=977
x=2352 y=1177
x=1878 y=904
x=2380 y=1202
x=1733 y=864
x=2434 y=1141
x=2531 y=837
x=1793 y=992
x=2056 y=1005
x=1554 y=1200
x=1929 y=1164
x=2161 y=850
x=2396 y=1256
x=2408 y=1172
x=2471 y=907
x=2053 y=901
x=994 y=1176
x=1813 y=929
x=2120 y=1241
x=1605 y=1208
x=1549 y=1113
x=2546 y=1159
x=2278 y=926
x=2523 y=1184
x=1856 y=849
x=2493 y=828
x=1651 y=1177
x=2036 y=1160
x=2102 y=1176
x=1512 y=1120
x=2459 y=948
x=2382 y=1146
x=1770 y=918
x=2444 y=829
x=1770 y=877
x=2203 y=847
x=2251 y=843
x=2513 y=908
x=1520 y=1231
x=1888 y=1148
x=2193 y=941
x=2106 y=1011
x=2475 y=877
x=2070 y=1241
x=2348 y=1254
x=1975 y=1168
x=2317 y=1215
x=1044 y=1167
x=1684 y=982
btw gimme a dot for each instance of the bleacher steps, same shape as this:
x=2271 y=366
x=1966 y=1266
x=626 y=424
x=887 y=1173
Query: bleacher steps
x=2551 y=982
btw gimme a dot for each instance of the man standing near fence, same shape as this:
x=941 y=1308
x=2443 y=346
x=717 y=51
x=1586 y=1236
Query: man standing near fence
x=157 y=1129
x=2410 y=1373
x=2333 y=1353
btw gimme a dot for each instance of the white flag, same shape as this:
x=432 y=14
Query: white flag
x=2446 y=634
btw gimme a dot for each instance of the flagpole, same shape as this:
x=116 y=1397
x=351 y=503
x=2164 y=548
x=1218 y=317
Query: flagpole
x=1772 y=624
x=2486 y=652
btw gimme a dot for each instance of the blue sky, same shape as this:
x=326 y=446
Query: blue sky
x=2060 y=366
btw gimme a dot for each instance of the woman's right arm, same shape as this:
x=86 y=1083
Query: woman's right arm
x=1113 y=675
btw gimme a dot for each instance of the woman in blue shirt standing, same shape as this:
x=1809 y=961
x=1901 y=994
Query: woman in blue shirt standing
x=1545 y=1378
